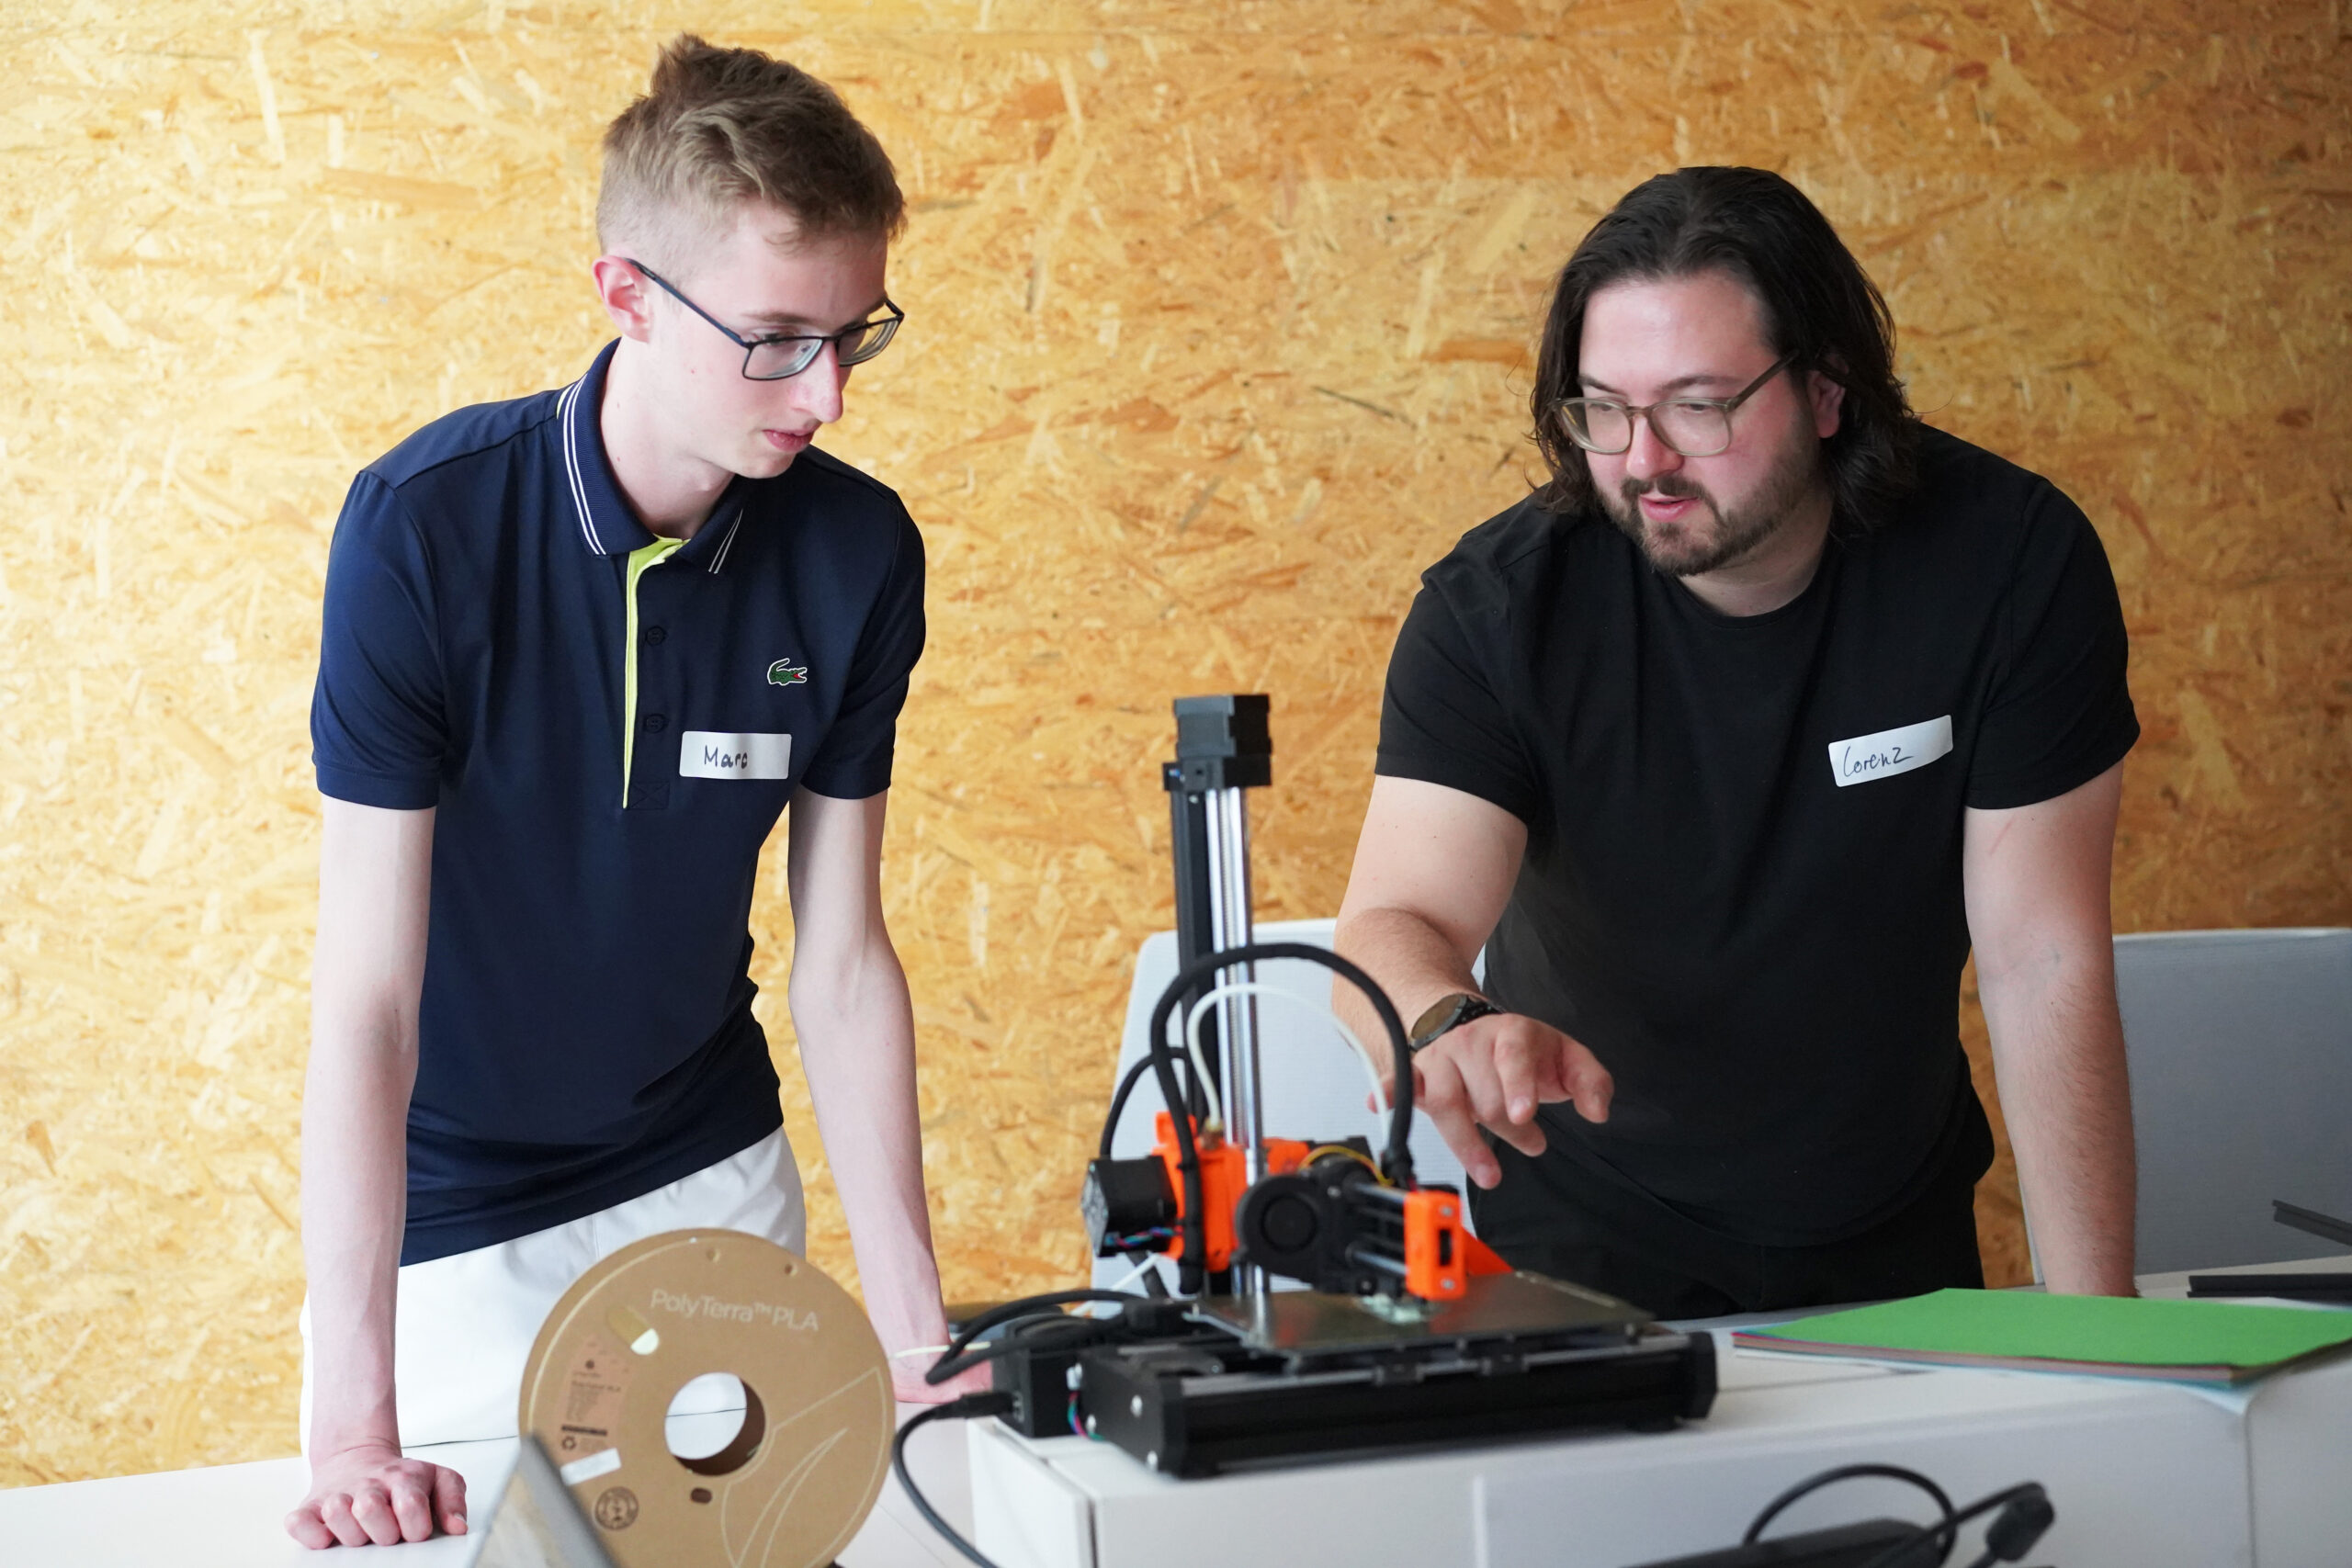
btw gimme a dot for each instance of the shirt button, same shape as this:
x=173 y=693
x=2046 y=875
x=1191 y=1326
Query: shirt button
x=655 y=723
x=655 y=634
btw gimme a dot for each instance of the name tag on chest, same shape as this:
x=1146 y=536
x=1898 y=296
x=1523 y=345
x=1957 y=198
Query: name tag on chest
x=1890 y=751
x=708 y=754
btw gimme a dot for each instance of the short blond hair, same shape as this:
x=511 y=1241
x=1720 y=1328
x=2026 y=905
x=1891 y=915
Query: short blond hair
x=718 y=127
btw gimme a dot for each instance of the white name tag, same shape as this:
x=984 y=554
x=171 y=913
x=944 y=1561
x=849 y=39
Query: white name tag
x=1890 y=751
x=708 y=754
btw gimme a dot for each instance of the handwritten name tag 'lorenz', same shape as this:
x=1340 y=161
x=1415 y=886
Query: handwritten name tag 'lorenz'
x=1890 y=751
x=713 y=754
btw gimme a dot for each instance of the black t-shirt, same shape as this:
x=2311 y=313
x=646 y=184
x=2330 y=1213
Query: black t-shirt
x=1742 y=884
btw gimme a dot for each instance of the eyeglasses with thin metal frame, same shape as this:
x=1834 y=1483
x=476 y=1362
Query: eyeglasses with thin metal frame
x=1695 y=427
x=786 y=354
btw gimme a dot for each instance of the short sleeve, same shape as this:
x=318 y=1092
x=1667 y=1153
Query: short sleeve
x=853 y=760
x=378 y=722
x=2058 y=713
x=1441 y=719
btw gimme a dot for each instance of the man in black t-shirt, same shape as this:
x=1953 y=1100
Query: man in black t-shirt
x=1725 y=746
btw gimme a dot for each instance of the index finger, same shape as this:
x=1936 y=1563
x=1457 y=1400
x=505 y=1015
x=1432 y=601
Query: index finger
x=1588 y=1082
x=449 y=1499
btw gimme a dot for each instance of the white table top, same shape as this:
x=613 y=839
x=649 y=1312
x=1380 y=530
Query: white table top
x=2150 y=1472
x=229 y=1515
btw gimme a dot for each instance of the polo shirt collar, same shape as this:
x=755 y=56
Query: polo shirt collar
x=608 y=526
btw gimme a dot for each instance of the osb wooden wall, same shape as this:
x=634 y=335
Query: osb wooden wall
x=1217 y=326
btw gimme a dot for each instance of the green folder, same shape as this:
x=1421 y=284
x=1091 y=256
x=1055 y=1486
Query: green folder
x=2201 y=1342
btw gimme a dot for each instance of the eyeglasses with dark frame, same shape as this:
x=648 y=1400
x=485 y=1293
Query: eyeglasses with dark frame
x=1695 y=427
x=786 y=354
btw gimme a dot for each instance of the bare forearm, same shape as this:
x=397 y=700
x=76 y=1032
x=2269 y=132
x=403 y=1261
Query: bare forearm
x=353 y=1162
x=858 y=1044
x=856 y=1030
x=1433 y=869
x=1410 y=958
x=2058 y=1050
x=367 y=978
x=2037 y=888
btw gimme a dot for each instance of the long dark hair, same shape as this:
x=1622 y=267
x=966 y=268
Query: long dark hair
x=1818 y=305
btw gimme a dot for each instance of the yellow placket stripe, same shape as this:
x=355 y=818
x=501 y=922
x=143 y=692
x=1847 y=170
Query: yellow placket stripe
x=639 y=562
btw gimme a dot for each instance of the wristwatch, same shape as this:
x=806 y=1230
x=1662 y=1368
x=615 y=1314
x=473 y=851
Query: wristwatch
x=1449 y=1012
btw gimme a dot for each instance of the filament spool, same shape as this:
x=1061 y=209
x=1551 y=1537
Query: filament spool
x=799 y=1475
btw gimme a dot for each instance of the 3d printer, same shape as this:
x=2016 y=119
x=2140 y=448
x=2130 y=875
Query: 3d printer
x=1410 y=1332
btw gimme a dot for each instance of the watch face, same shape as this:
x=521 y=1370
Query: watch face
x=1443 y=1014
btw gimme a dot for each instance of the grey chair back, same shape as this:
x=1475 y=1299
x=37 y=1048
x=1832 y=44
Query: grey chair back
x=2241 y=1051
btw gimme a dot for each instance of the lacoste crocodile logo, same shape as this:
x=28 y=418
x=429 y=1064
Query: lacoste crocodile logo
x=784 y=672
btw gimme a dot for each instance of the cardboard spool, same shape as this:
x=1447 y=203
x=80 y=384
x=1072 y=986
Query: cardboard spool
x=799 y=1477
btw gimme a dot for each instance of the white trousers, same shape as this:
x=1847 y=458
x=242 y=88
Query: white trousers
x=463 y=1324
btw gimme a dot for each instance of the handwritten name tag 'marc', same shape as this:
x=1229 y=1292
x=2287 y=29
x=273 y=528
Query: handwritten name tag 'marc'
x=1866 y=758
x=714 y=754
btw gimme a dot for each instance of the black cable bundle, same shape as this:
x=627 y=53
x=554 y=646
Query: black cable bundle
x=1163 y=1058
x=959 y=1356
x=2025 y=1515
x=963 y=1409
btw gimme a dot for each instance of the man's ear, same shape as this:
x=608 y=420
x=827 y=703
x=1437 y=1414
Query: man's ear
x=1829 y=401
x=626 y=298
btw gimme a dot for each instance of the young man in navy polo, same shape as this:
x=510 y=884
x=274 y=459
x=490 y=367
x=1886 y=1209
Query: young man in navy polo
x=581 y=651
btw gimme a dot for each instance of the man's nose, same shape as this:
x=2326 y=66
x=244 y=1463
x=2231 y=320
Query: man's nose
x=1648 y=457
x=817 y=391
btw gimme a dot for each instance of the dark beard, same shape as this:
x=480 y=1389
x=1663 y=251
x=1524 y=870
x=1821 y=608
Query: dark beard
x=1735 y=533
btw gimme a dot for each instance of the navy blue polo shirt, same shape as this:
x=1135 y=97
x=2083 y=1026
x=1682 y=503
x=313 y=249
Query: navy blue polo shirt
x=609 y=725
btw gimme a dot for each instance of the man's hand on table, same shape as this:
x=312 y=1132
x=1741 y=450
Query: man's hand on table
x=1494 y=1072
x=370 y=1493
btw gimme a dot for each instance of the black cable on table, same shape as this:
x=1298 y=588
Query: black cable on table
x=2018 y=1526
x=1812 y=1483
x=970 y=1405
x=1045 y=1339
x=2026 y=1514
x=998 y=1316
